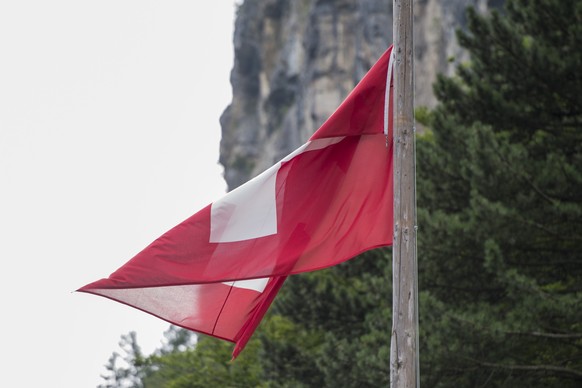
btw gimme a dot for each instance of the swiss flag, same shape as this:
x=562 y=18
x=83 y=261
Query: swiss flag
x=331 y=199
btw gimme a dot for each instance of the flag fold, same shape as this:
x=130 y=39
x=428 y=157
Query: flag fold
x=218 y=271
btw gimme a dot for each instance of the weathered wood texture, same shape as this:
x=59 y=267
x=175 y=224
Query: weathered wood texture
x=404 y=368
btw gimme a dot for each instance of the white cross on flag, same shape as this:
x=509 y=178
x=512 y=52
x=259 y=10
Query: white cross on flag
x=218 y=271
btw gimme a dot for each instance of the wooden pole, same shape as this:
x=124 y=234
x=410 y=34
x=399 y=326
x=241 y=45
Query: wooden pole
x=404 y=363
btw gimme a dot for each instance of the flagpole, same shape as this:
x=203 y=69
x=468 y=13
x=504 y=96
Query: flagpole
x=404 y=358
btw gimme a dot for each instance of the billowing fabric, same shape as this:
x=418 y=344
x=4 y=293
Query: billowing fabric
x=331 y=199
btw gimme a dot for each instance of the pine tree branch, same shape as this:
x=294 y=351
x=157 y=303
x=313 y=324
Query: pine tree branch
x=526 y=179
x=567 y=372
x=465 y=289
x=547 y=335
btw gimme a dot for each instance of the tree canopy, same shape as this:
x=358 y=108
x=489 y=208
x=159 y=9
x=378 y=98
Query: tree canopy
x=500 y=204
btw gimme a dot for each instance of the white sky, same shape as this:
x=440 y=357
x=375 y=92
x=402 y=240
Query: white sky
x=109 y=136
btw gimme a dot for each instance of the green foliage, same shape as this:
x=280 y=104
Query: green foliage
x=336 y=327
x=184 y=361
x=422 y=115
x=127 y=370
x=205 y=365
x=500 y=197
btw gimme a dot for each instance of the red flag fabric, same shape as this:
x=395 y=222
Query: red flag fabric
x=331 y=199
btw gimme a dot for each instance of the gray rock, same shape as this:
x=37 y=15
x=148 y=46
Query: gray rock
x=295 y=62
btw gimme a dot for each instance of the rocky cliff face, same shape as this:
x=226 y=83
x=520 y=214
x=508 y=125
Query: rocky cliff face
x=295 y=61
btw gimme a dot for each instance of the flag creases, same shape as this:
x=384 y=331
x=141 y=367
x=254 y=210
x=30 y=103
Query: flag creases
x=219 y=270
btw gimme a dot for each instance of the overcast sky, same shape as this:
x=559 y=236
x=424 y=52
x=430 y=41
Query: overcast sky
x=109 y=136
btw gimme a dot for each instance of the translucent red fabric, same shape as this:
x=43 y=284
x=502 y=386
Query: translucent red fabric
x=219 y=270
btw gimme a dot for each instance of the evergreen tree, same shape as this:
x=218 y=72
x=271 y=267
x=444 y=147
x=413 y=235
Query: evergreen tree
x=128 y=370
x=185 y=360
x=207 y=364
x=331 y=327
x=500 y=205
